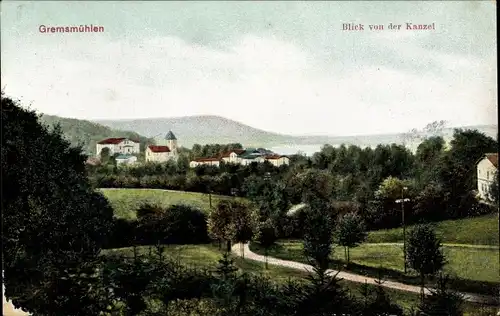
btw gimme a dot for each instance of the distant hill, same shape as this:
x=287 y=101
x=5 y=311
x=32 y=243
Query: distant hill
x=87 y=133
x=202 y=130
x=192 y=130
x=205 y=129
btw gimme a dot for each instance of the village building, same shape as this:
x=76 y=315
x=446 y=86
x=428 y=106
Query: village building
x=487 y=168
x=243 y=157
x=125 y=159
x=165 y=151
x=118 y=146
x=205 y=161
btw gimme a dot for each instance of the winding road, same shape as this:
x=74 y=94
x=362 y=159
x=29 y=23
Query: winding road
x=248 y=254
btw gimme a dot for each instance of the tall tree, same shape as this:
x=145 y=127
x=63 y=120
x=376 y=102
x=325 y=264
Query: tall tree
x=350 y=232
x=54 y=222
x=266 y=236
x=318 y=236
x=245 y=223
x=424 y=253
x=221 y=225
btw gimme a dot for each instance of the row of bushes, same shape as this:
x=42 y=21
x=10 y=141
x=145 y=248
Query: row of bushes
x=222 y=185
x=177 y=224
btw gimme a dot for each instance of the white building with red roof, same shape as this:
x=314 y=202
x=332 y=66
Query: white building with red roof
x=243 y=157
x=159 y=154
x=487 y=168
x=120 y=145
x=166 y=150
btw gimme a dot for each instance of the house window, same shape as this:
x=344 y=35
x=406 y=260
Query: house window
x=487 y=175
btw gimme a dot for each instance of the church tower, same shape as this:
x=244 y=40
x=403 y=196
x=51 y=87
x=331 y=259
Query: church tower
x=171 y=141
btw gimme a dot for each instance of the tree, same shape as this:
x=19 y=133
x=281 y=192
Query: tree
x=105 y=155
x=431 y=203
x=266 y=236
x=350 y=232
x=391 y=188
x=424 y=252
x=245 y=222
x=377 y=302
x=442 y=300
x=54 y=223
x=318 y=236
x=220 y=223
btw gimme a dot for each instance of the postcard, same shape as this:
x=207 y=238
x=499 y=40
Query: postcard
x=381 y=114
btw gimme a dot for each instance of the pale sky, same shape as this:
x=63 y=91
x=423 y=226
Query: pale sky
x=285 y=67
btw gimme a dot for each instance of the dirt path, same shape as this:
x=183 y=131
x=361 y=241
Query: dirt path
x=248 y=254
x=9 y=309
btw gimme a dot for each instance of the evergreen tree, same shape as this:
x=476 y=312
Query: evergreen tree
x=442 y=300
x=424 y=252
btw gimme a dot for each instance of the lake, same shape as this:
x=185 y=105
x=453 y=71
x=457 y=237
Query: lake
x=309 y=150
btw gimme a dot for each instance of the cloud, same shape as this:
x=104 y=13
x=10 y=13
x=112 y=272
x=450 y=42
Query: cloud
x=263 y=81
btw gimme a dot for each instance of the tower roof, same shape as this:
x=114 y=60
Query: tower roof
x=170 y=136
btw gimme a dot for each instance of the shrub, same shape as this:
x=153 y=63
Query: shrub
x=123 y=233
x=185 y=225
x=178 y=224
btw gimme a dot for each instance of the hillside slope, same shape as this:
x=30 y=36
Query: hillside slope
x=87 y=134
x=205 y=129
x=192 y=130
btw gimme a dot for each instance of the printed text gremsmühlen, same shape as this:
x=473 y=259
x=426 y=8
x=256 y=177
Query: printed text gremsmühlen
x=71 y=29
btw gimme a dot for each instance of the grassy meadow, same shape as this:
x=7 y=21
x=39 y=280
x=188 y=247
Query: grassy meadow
x=126 y=201
x=481 y=230
x=477 y=264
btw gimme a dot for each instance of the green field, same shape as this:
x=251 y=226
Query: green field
x=126 y=201
x=478 y=264
x=206 y=256
x=482 y=230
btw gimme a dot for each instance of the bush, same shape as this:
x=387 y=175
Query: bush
x=186 y=225
x=123 y=233
x=178 y=224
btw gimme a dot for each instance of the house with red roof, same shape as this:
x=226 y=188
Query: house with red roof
x=243 y=157
x=159 y=154
x=487 y=169
x=119 y=145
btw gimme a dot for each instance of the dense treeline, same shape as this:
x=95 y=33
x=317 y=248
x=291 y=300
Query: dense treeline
x=437 y=181
x=225 y=180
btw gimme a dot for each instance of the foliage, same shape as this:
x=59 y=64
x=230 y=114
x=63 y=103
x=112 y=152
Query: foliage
x=177 y=224
x=266 y=236
x=376 y=302
x=220 y=223
x=392 y=188
x=54 y=223
x=321 y=295
x=430 y=203
x=318 y=236
x=424 y=253
x=350 y=231
x=442 y=300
